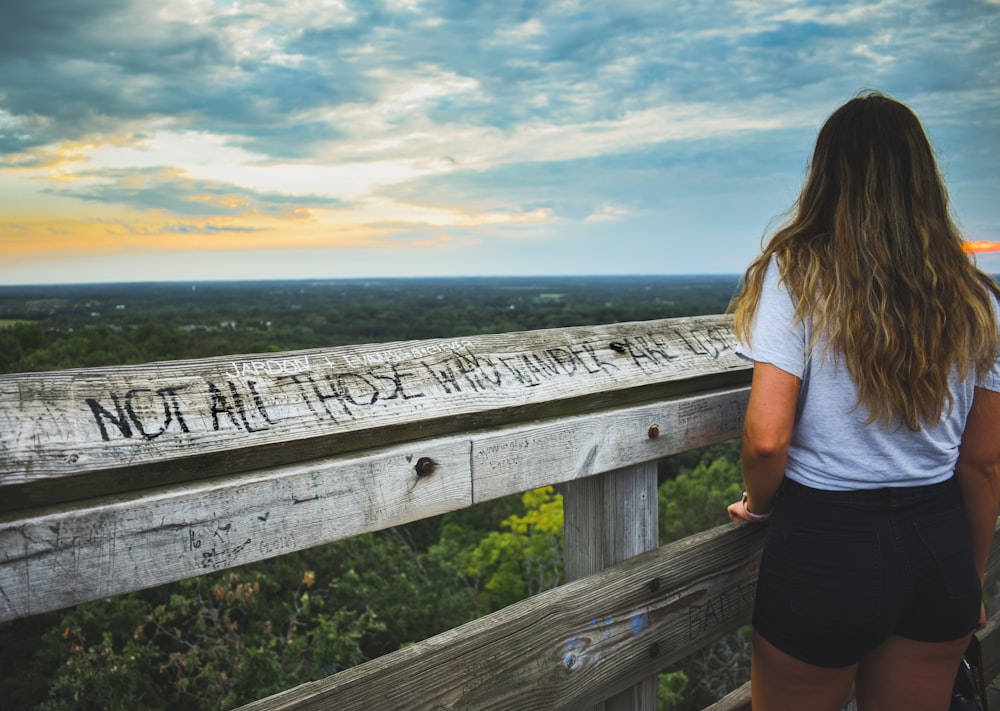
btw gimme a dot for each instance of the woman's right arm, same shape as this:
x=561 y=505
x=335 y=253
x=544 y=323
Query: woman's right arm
x=767 y=433
x=978 y=472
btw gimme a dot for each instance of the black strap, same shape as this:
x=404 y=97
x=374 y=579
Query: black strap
x=969 y=693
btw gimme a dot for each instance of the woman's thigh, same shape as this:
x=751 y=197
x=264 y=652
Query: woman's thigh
x=907 y=675
x=780 y=682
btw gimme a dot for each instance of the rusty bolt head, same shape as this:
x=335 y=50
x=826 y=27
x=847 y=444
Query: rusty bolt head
x=425 y=466
x=654 y=431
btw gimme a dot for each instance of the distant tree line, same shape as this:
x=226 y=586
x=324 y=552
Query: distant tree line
x=51 y=328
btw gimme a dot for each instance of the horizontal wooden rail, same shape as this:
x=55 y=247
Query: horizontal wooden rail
x=117 y=479
x=67 y=554
x=565 y=648
x=76 y=434
x=578 y=644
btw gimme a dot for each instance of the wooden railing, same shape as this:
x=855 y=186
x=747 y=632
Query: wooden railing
x=114 y=480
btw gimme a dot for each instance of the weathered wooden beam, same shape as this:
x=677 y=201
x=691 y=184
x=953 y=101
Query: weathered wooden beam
x=736 y=700
x=73 y=434
x=58 y=558
x=511 y=459
x=577 y=644
x=569 y=647
x=67 y=554
x=608 y=519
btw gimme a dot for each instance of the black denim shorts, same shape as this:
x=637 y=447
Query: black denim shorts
x=844 y=570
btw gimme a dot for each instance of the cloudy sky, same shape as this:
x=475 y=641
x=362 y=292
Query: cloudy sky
x=199 y=139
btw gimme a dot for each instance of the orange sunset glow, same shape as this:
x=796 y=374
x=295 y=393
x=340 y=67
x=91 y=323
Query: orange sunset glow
x=981 y=246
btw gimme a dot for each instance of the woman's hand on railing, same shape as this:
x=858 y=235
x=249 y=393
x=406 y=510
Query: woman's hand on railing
x=737 y=512
x=740 y=512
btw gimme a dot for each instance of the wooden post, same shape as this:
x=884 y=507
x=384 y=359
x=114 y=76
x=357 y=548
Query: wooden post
x=609 y=518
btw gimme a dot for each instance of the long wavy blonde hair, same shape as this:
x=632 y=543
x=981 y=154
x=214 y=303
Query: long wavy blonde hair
x=876 y=265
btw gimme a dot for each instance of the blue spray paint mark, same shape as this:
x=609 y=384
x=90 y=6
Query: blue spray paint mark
x=639 y=622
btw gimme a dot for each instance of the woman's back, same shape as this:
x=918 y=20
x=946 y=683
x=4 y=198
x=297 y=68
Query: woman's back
x=835 y=445
x=876 y=268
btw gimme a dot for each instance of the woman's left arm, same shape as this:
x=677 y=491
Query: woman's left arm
x=767 y=432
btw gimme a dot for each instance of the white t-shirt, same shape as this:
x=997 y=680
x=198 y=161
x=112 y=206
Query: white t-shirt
x=832 y=447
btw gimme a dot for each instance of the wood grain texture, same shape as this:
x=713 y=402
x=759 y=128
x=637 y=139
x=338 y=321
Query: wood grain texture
x=62 y=557
x=71 y=553
x=581 y=643
x=567 y=648
x=133 y=427
x=510 y=459
x=608 y=519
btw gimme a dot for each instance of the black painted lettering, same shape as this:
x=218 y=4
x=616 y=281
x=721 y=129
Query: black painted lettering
x=333 y=394
x=468 y=366
x=725 y=606
x=303 y=391
x=238 y=401
x=400 y=388
x=649 y=348
x=481 y=374
x=169 y=395
x=564 y=359
x=720 y=338
x=585 y=363
x=258 y=402
x=659 y=349
x=101 y=414
x=365 y=393
x=531 y=367
x=488 y=370
x=446 y=378
x=520 y=376
x=706 y=344
x=220 y=405
x=598 y=364
x=396 y=379
x=692 y=343
x=713 y=612
x=136 y=422
x=545 y=364
x=638 y=352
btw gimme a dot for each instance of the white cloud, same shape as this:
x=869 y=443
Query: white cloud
x=838 y=14
x=608 y=213
x=486 y=110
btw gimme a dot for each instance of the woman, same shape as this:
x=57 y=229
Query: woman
x=872 y=434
